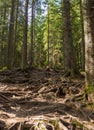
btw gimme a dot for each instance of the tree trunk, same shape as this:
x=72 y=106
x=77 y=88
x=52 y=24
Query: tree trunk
x=10 y=36
x=83 y=40
x=69 y=56
x=24 y=53
x=3 y=53
x=88 y=12
x=31 y=55
x=14 y=62
x=48 y=38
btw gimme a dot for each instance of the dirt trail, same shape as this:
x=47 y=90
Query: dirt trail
x=44 y=99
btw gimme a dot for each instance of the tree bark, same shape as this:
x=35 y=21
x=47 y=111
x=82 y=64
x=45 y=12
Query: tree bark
x=31 y=64
x=69 y=55
x=3 y=51
x=10 y=36
x=24 y=53
x=83 y=40
x=88 y=12
x=48 y=45
x=14 y=62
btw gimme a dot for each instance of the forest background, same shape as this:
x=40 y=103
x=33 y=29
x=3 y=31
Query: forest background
x=42 y=33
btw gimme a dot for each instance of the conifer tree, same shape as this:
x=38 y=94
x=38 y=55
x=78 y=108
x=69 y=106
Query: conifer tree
x=68 y=48
x=88 y=12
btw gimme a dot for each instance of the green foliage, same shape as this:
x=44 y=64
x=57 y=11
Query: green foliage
x=54 y=19
x=76 y=30
x=40 y=32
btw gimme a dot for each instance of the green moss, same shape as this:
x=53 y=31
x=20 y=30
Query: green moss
x=89 y=89
x=79 y=125
x=42 y=123
x=55 y=124
x=3 y=68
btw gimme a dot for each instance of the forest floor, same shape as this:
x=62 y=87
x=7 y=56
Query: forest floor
x=43 y=100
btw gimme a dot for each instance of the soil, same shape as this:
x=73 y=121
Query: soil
x=44 y=99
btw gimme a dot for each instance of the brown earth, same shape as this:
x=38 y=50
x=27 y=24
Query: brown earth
x=44 y=100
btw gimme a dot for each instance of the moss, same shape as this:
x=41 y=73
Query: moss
x=3 y=68
x=55 y=124
x=44 y=124
x=89 y=88
x=79 y=125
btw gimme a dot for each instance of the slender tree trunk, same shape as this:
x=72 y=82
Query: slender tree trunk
x=32 y=35
x=3 y=53
x=48 y=48
x=15 y=32
x=88 y=12
x=69 y=55
x=24 y=53
x=10 y=36
x=78 y=56
x=83 y=40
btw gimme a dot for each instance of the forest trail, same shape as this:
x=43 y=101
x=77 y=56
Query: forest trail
x=44 y=99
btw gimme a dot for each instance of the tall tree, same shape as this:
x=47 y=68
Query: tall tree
x=24 y=53
x=31 y=55
x=53 y=34
x=3 y=52
x=83 y=40
x=15 y=32
x=88 y=12
x=48 y=29
x=10 y=36
x=39 y=31
x=69 y=56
